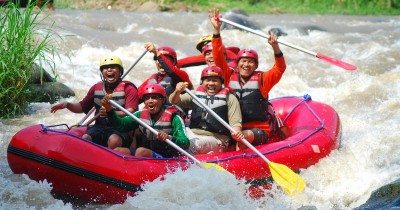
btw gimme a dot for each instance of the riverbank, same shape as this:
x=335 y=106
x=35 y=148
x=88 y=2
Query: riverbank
x=328 y=7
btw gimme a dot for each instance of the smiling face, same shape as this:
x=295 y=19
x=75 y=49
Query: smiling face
x=111 y=73
x=212 y=85
x=246 y=67
x=208 y=56
x=153 y=102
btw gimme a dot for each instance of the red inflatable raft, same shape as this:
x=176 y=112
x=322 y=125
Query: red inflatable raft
x=85 y=171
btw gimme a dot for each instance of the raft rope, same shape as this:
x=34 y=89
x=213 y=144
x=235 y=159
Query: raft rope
x=306 y=98
x=46 y=129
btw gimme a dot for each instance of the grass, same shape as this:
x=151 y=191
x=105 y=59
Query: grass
x=323 y=7
x=24 y=40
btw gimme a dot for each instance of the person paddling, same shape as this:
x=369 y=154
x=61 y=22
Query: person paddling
x=250 y=85
x=158 y=115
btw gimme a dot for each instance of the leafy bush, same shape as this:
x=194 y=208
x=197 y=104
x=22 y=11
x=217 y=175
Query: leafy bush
x=24 y=40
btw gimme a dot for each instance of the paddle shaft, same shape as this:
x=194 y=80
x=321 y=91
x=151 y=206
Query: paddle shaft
x=122 y=77
x=333 y=61
x=209 y=110
x=266 y=36
x=86 y=116
x=134 y=64
x=151 y=129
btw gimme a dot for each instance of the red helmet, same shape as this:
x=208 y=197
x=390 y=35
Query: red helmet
x=209 y=47
x=168 y=51
x=154 y=88
x=206 y=48
x=247 y=53
x=212 y=71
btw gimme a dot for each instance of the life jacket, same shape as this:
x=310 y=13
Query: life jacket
x=166 y=82
x=200 y=118
x=118 y=95
x=253 y=105
x=164 y=123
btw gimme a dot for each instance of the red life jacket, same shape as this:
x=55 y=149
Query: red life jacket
x=164 y=123
x=118 y=95
x=254 y=107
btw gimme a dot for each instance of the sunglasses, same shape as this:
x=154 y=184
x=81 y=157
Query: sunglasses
x=147 y=97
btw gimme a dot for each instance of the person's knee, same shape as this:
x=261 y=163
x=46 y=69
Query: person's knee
x=143 y=152
x=207 y=145
x=248 y=135
x=87 y=137
x=114 y=141
x=256 y=136
x=123 y=150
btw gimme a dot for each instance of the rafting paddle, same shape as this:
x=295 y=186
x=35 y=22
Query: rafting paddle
x=122 y=77
x=333 y=61
x=151 y=129
x=283 y=175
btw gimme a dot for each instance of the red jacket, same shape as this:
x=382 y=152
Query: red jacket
x=269 y=79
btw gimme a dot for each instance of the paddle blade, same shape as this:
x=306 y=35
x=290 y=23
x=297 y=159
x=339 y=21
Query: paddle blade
x=336 y=62
x=212 y=165
x=286 y=178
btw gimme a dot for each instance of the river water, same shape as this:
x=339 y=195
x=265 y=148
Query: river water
x=367 y=101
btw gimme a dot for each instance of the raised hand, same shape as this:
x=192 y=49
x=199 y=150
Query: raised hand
x=273 y=41
x=150 y=47
x=213 y=15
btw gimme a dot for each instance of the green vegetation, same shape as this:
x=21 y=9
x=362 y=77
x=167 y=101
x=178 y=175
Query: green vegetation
x=323 y=7
x=24 y=40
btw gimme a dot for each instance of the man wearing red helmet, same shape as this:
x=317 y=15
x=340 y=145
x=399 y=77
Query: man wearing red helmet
x=209 y=56
x=207 y=134
x=251 y=86
x=123 y=92
x=168 y=73
x=161 y=117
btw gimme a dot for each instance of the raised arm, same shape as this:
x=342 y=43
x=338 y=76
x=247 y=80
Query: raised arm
x=218 y=51
x=174 y=72
x=273 y=76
